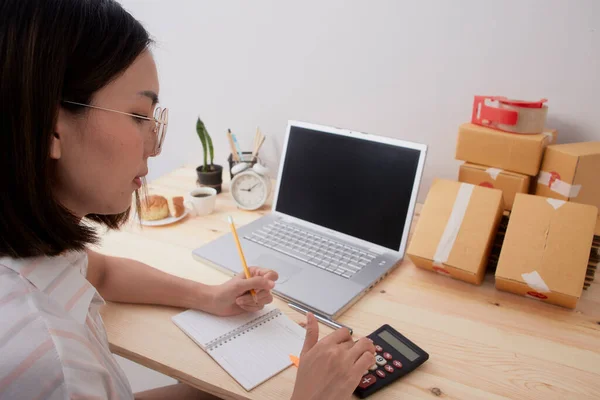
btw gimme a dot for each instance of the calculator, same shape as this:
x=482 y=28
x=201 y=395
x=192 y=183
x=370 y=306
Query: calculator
x=396 y=357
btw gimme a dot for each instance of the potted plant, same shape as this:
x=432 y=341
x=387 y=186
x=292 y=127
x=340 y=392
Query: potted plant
x=209 y=174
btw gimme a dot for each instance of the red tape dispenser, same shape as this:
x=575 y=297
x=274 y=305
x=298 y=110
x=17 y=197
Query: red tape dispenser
x=516 y=116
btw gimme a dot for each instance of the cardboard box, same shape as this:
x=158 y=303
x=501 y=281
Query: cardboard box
x=551 y=138
x=510 y=183
x=546 y=249
x=571 y=172
x=456 y=229
x=508 y=151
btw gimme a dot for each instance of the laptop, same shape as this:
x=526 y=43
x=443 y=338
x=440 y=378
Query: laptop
x=340 y=220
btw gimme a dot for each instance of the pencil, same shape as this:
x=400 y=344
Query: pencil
x=262 y=140
x=256 y=137
x=241 y=253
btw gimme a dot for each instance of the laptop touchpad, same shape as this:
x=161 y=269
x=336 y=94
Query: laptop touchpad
x=284 y=268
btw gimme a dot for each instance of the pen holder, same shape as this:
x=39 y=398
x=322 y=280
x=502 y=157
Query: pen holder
x=246 y=157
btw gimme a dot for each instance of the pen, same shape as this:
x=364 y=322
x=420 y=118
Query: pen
x=241 y=253
x=326 y=321
x=237 y=145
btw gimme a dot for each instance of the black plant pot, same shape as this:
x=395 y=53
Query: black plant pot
x=212 y=178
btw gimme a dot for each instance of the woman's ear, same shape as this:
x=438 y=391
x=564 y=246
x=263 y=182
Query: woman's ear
x=55 y=146
x=61 y=130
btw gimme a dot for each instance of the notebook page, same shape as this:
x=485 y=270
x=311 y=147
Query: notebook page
x=202 y=327
x=262 y=352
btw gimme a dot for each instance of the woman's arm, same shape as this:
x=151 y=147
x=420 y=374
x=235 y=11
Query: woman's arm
x=129 y=281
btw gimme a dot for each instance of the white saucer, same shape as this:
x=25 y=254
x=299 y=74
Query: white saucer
x=166 y=221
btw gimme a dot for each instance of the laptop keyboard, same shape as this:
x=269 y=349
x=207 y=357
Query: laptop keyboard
x=316 y=250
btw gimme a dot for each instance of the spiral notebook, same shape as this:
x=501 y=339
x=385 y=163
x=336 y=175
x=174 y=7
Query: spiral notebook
x=251 y=347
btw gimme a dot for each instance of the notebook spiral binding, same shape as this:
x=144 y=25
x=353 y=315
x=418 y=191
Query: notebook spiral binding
x=256 y=322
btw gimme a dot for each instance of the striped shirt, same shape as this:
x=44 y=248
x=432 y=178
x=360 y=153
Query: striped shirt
x=52 y=340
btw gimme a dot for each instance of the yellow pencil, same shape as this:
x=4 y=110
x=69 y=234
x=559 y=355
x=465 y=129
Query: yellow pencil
x=241 y=253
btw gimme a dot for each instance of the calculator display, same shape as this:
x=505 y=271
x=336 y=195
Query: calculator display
x=398 y=345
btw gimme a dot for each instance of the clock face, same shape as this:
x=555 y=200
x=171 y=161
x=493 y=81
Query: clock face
x=249 y=190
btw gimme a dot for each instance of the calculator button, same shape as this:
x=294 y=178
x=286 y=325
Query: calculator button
x=367 y=381
x=387 y=356
x=380 y=360
x=380 y=373
x=378 y=348
x=389 y=368
x=373 y=367
x=397 y=364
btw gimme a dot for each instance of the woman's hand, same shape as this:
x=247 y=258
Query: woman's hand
x=331 y=368
x=233 y=297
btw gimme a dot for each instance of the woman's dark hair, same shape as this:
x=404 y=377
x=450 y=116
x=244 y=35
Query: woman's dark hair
x=52 y=50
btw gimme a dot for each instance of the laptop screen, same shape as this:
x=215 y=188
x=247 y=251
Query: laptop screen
x=358 y=187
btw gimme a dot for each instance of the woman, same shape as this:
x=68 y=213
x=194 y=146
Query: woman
x=78 y=97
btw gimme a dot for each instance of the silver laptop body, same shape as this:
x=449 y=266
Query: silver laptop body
x=341 y=215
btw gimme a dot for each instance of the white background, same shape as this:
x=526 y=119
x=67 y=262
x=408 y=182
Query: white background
x=405 y=69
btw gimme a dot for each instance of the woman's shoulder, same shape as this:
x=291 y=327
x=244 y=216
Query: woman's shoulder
x=39 y=343
x=31 y=365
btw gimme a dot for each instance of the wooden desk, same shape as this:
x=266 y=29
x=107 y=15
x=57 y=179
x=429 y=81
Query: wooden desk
x=483 y=343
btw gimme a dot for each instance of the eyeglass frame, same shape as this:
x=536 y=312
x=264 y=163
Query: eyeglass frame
x=162 y=121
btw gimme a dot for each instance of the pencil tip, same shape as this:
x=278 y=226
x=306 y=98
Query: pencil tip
x=230 y=219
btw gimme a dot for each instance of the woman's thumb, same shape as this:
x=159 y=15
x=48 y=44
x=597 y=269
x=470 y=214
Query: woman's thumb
x=312 y=333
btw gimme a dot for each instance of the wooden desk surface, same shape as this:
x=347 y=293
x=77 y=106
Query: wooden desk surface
x=483 y=343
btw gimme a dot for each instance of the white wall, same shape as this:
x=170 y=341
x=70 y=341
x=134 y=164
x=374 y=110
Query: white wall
x=406 y=69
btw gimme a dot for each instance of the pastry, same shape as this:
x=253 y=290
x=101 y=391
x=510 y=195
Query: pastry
x=176 y=206
x=154 y=208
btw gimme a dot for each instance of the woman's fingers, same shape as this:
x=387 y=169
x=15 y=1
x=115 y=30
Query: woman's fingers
x=262 y=298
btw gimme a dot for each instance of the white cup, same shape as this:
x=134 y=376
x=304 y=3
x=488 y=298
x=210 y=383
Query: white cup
x=201 y=201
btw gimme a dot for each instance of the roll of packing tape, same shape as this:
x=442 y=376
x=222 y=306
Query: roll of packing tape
x=507 y=115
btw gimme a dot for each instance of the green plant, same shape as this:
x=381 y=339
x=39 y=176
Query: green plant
x=207 y=145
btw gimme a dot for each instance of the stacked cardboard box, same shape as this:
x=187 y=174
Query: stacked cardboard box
x=569 y=172
x=456 y=230
x=545 y=253
x=501 y=160
x=537 y=245
x=510 y=183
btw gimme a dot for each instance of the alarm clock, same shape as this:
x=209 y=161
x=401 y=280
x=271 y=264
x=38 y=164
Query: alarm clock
x=251 y=188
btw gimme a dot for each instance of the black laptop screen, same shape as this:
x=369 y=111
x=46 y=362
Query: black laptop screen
x=354 y=186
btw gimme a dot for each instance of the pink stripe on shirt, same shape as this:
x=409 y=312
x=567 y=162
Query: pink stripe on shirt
x=12 y=295
x=27 y=363
x=71 y=303
x=29 y=268
x=50 y=387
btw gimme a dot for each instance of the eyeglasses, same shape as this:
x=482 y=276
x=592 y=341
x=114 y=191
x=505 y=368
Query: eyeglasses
x=160 y=119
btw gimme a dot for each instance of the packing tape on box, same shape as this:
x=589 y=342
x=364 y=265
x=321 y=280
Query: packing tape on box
x=556 y=203
x=535 y=281
x=537 y=284
x=552 y=180
x=548 y=138
x=457 y=215
x=493 y=172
